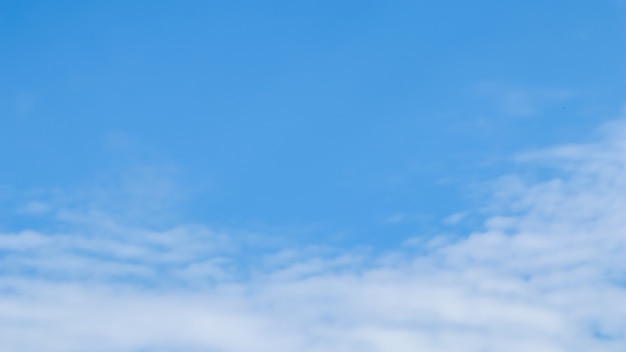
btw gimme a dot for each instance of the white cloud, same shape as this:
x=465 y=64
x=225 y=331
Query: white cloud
x=546 y=273
x=455 y=218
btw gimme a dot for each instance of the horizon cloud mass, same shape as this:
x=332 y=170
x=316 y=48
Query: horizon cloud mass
x=545 y=273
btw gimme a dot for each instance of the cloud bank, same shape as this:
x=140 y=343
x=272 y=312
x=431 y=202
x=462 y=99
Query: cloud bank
x=547 y=272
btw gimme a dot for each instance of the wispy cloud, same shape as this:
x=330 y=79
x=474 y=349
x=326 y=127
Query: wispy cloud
x=545 y=273
x=520 y=101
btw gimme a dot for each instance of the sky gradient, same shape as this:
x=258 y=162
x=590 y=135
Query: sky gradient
x=312 y=176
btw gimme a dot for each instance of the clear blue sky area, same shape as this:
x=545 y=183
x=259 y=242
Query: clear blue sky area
x=371 y=120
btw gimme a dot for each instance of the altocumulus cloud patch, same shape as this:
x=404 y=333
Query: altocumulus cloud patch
x=545 y=273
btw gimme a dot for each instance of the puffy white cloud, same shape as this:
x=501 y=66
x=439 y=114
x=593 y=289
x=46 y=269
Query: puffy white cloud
x=546 y=273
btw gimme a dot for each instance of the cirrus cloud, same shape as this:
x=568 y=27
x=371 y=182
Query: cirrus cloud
x=545 y=273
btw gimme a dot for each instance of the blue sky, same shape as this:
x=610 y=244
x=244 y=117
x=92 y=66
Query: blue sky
x=185 y=149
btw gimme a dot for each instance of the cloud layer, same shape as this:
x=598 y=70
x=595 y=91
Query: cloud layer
x=546 y=273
